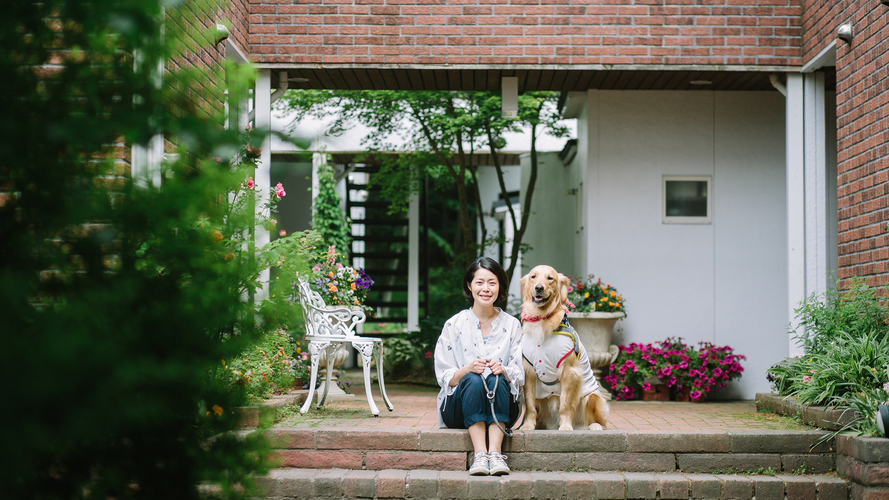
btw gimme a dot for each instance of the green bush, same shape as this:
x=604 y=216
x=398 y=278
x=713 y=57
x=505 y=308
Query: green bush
x=116 y=298
x=266 y=367
x=845 y=340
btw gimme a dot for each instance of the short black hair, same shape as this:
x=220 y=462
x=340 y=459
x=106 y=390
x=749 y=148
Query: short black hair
x=491 y=265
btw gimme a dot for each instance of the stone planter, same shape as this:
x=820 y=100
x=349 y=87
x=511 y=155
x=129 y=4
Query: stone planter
x=594 y=330
x=864 y=462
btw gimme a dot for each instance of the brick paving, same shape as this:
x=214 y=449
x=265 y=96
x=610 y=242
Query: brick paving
x=415 y=409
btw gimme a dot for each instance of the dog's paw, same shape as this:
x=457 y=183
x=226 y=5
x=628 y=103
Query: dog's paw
x=529 y=426
x=566 y=427
x=596 y=426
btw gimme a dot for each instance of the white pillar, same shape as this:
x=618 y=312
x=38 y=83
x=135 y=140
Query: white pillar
x=413 y=265
x=263 y=179
x=796 y=204
x=816 y=185
x=589 y=188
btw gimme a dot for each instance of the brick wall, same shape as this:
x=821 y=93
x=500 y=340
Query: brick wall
x=820 y=20
x=863 y=142
x=194 y=25
x=641 y=32
x=239 y=16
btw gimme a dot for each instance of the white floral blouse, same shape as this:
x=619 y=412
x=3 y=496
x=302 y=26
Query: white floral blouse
x=461 y=341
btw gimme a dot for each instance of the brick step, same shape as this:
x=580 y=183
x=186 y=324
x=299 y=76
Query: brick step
x=792 y=452
x=432 y=484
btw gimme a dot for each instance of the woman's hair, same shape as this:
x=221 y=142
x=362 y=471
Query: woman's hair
x=490 y=265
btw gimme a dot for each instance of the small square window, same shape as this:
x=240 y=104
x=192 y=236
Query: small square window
x=686 y=199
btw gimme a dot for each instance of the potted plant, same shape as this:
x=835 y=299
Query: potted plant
x=690 y=373
x=595 y=308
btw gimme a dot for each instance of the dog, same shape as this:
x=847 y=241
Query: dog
x=560 y=388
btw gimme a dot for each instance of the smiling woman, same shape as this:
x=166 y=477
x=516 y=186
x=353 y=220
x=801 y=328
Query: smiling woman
x=479 y=349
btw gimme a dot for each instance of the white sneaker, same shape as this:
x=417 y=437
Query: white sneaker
x=497 y=464
x=479 y=464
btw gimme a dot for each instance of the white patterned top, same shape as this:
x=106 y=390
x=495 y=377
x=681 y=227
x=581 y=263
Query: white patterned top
x=461 y=341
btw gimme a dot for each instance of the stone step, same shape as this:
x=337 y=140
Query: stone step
x=432 y=484
x=761 y=451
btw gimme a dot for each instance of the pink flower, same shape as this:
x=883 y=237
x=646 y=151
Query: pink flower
x=646 y=386
x=250 y=183
x=279 y=190
x=283 y=233
x=428 y=354
x=807 y=378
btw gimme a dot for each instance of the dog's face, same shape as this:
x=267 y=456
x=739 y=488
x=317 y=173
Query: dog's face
x=544 y=288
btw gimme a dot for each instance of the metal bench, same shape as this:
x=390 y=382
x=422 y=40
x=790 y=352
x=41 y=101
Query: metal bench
x=330 y=328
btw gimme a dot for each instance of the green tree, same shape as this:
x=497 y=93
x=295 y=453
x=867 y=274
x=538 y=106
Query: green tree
x=436 y=133
x=118 y=300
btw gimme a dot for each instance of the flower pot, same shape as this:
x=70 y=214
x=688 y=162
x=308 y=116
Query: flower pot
x=663 y=392
x=594 y=330
x=682 y=394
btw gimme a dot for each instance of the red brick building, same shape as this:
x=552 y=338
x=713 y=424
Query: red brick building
x=716 y=65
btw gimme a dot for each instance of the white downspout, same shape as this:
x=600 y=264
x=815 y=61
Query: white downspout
x=282 y=87
x=776 y=82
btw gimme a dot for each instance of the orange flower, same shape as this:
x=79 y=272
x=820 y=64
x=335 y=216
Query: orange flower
x=353 y=286
x=229 y=256
x=217 y=409
x=217 y=236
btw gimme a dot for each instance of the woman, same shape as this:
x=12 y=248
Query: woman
x=478 y=342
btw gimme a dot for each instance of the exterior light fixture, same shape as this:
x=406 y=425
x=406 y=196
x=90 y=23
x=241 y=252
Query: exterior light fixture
x=222 y=33
x=844 y=33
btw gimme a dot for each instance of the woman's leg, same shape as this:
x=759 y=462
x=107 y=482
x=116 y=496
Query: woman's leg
x=464 y=409
x=502 y=397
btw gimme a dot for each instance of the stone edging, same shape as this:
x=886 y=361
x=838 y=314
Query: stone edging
x=864 y=462
x=266 y=410
x=816 y=416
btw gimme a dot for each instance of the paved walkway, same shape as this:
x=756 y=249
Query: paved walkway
x=415 y=409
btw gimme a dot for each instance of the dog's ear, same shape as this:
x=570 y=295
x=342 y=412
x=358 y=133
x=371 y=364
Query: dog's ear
x=564 y=282
x=524 y=282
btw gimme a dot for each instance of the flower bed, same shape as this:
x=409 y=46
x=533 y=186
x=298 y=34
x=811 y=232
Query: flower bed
x=678 y=366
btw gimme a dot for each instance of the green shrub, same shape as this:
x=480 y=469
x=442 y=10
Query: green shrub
x=266 y=367
x=846 y=353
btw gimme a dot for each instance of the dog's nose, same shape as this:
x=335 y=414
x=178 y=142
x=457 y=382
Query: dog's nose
x=538 y=288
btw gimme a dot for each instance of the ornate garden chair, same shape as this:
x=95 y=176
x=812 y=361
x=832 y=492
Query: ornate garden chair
x=329 y=328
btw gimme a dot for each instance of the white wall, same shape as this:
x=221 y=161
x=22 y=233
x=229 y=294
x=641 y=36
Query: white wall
x=723 y=282
x=554 y=214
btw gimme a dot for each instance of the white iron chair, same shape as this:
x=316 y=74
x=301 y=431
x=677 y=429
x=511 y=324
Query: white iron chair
x=329 y=328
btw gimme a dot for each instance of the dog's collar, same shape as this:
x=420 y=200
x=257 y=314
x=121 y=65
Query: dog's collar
x=535 y=319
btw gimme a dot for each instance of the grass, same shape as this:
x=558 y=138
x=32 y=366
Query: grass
x=781 y=422
x=289 y=416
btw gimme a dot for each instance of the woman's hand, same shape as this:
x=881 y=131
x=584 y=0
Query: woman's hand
x=476 y=366
x=496 y=367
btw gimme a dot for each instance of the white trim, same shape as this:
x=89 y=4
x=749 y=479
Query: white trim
x=263 y=177
x=536 y=67
x=413 y=265
x=672 y=219
x=827 y=57
x=796 y=203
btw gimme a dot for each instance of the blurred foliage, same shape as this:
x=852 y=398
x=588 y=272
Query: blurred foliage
x=118 y=298
x=268 y=366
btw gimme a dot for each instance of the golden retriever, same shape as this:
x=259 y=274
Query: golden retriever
x=560 y=388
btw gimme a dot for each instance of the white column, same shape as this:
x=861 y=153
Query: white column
x=263 y=178
x=590 y=186
x=413 y=265
x=796 y=215
x=816 y=184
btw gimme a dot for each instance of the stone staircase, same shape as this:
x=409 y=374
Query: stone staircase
x=625 y=465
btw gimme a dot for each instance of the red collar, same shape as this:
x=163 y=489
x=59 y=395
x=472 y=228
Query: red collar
x=535 y=319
